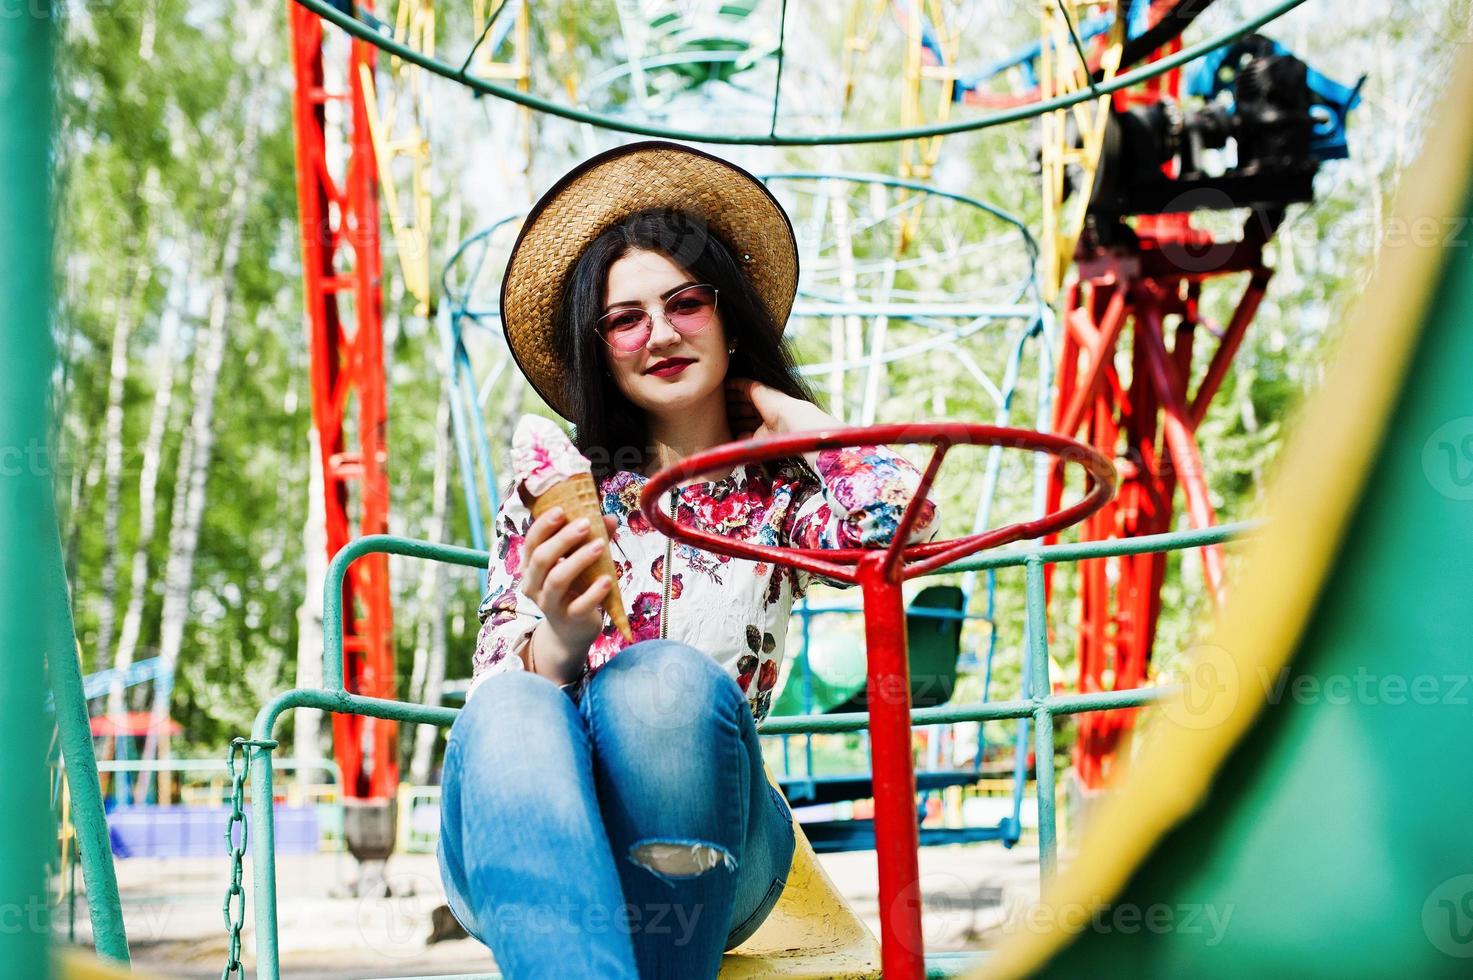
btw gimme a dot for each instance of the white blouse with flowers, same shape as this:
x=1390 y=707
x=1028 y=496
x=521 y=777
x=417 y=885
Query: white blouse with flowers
x=732 y=609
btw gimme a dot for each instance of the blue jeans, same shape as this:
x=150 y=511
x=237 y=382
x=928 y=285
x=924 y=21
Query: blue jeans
x=630 y=835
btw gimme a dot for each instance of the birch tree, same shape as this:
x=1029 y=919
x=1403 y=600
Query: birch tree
x=428 y=676
x=130 y=309
x=190 y=487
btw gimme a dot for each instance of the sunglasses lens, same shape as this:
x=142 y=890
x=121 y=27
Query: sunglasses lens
x=627 y=330
x=691 y=309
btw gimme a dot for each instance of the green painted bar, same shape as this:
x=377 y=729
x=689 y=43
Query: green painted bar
x=344 y=703
x=263 y=863
x=1043 y=720
x=352 y=25
x=1064 y=704
x=392 y=544
x=1109 y=548
x=412 y=713
x=337 y=571
x=35 y=614
x=104 y=906
x=27 y=525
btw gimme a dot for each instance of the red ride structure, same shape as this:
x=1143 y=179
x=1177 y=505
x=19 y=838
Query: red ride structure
x=1149 y=422
x=342 y=262
x=1131 y=380
x=880 y=574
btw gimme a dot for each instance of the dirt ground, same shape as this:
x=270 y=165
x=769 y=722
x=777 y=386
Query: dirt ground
x=172 y=909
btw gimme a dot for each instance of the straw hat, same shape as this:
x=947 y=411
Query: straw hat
x=603 y=190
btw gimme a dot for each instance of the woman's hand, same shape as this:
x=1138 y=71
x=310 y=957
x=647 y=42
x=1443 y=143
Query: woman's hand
x=554 y=552
x=754 y=410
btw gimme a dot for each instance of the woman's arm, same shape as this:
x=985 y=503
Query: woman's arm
x=863 y=490
x=530 y=619
x=864 y=493
x=508 y=618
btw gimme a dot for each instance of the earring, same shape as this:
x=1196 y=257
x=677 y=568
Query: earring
x=731 y=348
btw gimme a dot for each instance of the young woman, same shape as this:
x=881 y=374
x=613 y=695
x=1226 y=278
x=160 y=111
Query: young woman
x=605 y=811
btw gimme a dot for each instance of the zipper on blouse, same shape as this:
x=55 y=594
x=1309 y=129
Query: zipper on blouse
x=668 y=573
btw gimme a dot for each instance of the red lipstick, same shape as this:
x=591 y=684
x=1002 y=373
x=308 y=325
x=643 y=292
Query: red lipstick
x=670 y=367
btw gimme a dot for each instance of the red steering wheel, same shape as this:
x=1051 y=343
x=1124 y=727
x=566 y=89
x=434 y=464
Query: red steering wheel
x=880 y=573
x=908 y=560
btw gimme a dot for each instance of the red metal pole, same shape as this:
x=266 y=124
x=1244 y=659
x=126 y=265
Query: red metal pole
x=1099 y=353
x=341 y=254
x=1181 y=444
x=1228 y=346
x=897 y=832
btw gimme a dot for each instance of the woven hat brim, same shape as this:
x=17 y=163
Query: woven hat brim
x=603 y=190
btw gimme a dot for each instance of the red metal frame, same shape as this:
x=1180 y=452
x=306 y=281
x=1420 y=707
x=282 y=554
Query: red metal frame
x=1153 y=423
x=879 y=574
x=342 y=264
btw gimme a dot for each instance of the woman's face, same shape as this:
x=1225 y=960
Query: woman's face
x=674 y=372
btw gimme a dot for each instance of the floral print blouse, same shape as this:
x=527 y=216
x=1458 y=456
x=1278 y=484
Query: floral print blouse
x=732 y=609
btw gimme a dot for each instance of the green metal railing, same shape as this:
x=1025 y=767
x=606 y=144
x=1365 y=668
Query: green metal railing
x=1042 y=707
x=36 y=629
x=384 y=41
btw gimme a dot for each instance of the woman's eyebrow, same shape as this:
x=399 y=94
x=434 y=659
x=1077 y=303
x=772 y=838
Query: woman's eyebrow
x=665 y=295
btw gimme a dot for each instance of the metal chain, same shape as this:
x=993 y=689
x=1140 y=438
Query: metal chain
x=233 y=908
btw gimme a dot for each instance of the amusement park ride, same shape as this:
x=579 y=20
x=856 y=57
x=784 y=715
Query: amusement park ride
x=1122 y=176
x=1150 y=165
x=1139 y=134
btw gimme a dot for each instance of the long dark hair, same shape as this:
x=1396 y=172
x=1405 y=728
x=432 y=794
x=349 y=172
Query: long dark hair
x=610 y=430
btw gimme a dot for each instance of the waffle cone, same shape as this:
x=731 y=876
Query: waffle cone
x=578 y=497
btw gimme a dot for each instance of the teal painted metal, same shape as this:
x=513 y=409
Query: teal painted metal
x=263 y=857
x=1041 y=706
x=327 y=11
x=35 y=615
x=1043 y=717
x=26 y=523
x=104 y=906
x=337 y=571
x=1109 y=548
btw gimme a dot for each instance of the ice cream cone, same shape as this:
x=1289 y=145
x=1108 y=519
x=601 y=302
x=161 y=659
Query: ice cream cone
x=578 y=497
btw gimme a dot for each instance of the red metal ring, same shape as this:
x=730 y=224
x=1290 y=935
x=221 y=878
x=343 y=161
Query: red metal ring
x=919 y=558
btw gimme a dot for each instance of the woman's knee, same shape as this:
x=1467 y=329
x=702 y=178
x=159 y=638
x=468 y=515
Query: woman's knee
x=660 y=694
x=510 y=716
x=664 y=683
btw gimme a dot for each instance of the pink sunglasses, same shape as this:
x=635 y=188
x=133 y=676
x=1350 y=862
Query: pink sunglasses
x=688 y=311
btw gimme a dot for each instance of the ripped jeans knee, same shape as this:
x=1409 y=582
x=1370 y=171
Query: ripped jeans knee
x=675 y=859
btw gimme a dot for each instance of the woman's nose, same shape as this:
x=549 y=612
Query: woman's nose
x=661 y=333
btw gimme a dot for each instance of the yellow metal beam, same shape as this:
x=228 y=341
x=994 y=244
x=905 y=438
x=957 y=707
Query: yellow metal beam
x=1070 y=154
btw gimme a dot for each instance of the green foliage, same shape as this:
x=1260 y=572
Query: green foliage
x=162 y=87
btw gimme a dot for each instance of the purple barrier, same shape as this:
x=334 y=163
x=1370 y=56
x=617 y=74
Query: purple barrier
x=199 y=831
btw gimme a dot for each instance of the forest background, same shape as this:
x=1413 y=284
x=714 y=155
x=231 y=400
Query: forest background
x=184 y=441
